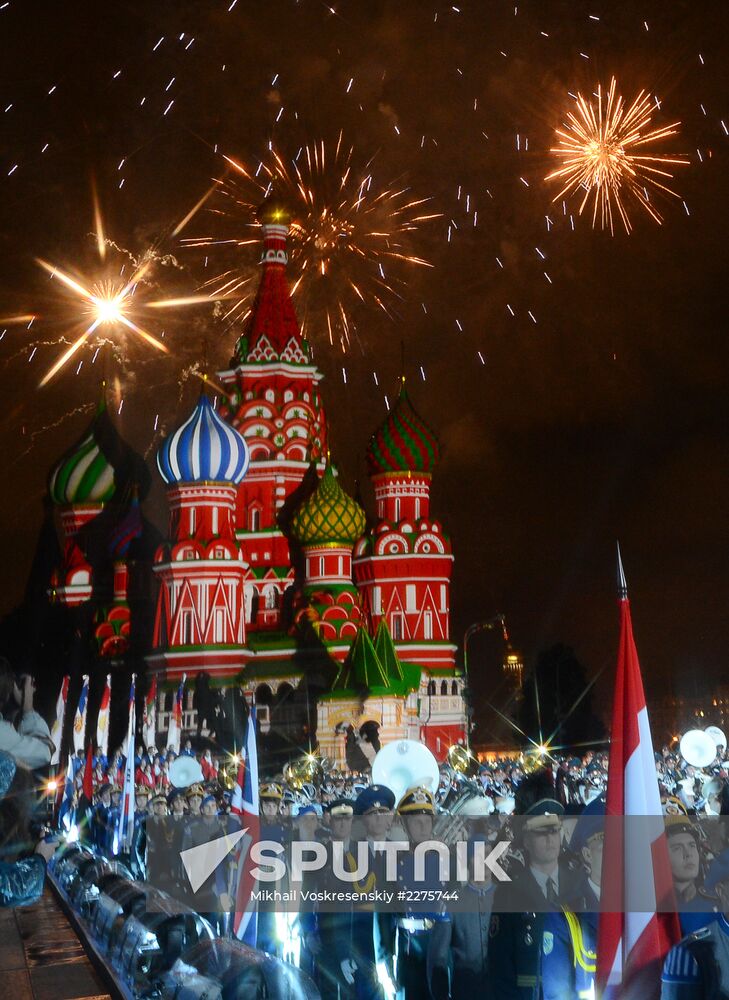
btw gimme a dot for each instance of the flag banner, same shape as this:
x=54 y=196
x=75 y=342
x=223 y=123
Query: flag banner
x=57 y=731
x=638 y=923
x=102 y=722
x=174 y=731
x=125 y=828
x=67 y=808
x=149 y=719
x=79 y=721
x=88 y=780
x=244 y=805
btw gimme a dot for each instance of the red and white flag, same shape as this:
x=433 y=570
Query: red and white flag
x=639 y=924
x=244 y=805
x=149 y=719
x=57 y=731
x=102 y=722
x=174 y=731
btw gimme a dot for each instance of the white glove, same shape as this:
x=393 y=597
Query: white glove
x=348 y=968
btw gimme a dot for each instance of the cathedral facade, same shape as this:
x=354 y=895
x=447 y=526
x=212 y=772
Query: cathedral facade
x=270 y=577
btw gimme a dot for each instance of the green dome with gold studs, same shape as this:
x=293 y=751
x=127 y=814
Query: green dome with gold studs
x=329 y=516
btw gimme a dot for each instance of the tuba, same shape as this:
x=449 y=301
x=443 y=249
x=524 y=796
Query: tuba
x=404 y=763
x=459 y=785
x=304 y=770
x=462 y=760
x=698 y=748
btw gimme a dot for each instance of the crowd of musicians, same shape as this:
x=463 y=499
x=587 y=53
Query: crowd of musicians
x=544 y=947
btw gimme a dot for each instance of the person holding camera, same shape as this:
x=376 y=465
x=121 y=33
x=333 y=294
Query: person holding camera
x=22 y=866
x=30 y=743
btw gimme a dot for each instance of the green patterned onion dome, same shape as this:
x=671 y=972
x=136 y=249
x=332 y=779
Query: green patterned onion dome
x=83 y=475
x=329 y=516
x=404 y=442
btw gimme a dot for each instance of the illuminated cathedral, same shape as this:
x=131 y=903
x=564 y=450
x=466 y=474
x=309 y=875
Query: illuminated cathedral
x=270 y=577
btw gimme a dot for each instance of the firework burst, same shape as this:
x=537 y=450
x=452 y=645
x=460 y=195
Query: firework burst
x=600 y=151
x=107 y=307
x=350 y=241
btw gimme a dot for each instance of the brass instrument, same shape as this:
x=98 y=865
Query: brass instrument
x=227 y=773
x=533 y=759
x=460 y=759
x=304 y=770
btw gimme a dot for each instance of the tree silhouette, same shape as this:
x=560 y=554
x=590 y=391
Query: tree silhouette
x=556 y=704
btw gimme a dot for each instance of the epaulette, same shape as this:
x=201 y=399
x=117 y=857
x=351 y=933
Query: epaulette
x=700 y=935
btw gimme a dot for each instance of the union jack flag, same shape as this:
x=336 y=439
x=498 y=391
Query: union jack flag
x=244 y=805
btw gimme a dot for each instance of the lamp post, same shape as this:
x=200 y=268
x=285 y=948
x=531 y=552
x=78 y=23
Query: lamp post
x=498 y=621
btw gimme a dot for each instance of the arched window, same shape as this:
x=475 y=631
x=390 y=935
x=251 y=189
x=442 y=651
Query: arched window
x=428 y=625
x=444 y=687
x=431 y=687
x=454 y=687
x=397 y=626
x=251 y=602
x=254 y=519
x=219 y=625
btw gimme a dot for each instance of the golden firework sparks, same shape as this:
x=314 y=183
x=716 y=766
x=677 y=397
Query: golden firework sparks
x=349 y=238
x=600 y=151
x=109 y=304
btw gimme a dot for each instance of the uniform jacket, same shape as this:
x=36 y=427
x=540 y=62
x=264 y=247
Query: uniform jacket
x=458 y=947
x=698 y=967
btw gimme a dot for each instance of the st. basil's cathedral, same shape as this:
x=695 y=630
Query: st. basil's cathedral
x=271 y=578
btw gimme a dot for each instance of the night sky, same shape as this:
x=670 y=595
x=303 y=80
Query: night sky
x=606 y=418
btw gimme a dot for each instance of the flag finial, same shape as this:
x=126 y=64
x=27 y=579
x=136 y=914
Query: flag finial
x=622 y=582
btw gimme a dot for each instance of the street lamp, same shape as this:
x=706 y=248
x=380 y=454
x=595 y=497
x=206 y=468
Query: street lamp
x=498 y=621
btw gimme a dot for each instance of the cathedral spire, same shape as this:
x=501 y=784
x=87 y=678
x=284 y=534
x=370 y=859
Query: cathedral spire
x=272 y=331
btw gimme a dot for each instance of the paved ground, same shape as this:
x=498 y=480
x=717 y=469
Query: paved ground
x=41 y=958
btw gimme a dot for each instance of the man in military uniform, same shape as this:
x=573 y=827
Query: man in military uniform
x=459 y=940
x=569 y=941
x=138 y=855
x=102 y=821
x=698 y=967
x=410 y=930
x=212 y=898
x=328 y=935
x=517 y=924
x=374 y=806
x=270 y=794
x=696 y=907
x=193 y=798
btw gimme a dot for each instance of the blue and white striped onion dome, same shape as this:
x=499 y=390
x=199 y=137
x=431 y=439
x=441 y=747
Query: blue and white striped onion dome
x=204 y=449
